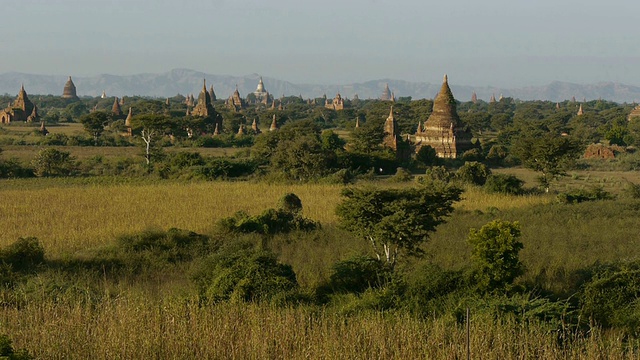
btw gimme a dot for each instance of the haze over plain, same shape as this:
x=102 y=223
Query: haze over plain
x=492 y=43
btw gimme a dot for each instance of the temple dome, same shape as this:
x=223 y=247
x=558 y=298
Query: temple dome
x=69 y=91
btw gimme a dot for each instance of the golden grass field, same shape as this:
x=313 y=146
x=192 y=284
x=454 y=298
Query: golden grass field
x=71 y=217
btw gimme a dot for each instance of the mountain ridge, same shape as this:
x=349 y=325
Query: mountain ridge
x=186 y=81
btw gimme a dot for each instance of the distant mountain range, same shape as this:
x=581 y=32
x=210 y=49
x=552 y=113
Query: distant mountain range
x=184 y=81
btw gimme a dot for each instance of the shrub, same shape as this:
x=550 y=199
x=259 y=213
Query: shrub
x=497 y=154
x=23 y=254
x=472 y=155
x=52 y=162
x=244 y=275
x=290 y=202
x=582 y=195
x=612 y=297
x=427 y=155
x=401 y=175
x=495 y=254
x=632 y=190
x=285 y=219
x=173 y=245
x=358 y=274
x=13 y=169
x=428 y=287
x=503 y=183
x=473 y=172
x=7 y=351
x=438 y=173
x=269 y=222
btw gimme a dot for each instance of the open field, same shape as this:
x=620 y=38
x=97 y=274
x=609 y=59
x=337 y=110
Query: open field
x=26 y=153
x=610 y=181
x=73 y=217
x=96 y=315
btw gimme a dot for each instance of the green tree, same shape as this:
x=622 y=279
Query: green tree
x=52 y=162
x=302 y=158
x=94 y=124
x=427 y=155
x=548 y=154
x=473 y=172
x=396 y=221
x=495 y=254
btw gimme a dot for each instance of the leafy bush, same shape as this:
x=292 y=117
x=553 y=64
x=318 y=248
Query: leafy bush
x=504 y=183
x=13 y=169
x=285 y=219
x=612 y=297
x=495 y=254
x=290 y=202
x=358 y=274
x=224 y=168
x=269 y=222
x=473 y=172
x=23 y=254
x=428 y=287
x=244 y=275
x=52 y=162
x=473 y=155
x=8 y=352
x=174 y=245
x=582 y=195
x=427 y=155
x=438 y=173
x=497 y=154
x=632 y=190
x=401 y=175
x=342 y=176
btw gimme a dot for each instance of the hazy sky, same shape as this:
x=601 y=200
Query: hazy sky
x=493 y=42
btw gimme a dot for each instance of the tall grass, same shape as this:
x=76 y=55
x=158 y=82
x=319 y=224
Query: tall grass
x=71 y=218
x=134 y=327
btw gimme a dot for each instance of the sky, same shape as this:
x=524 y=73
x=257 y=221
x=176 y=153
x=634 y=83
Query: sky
x=504 y=43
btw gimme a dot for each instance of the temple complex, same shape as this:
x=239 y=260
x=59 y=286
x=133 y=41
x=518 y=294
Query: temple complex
x=69 y=91
x=235 y=102
x=580 y=111
x=443 y=130
x=212 y=94
x=336 y=104
x=204 y=108
x=21 y=109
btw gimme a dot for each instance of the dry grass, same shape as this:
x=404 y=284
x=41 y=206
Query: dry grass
x=137 y=328
x=70 y=218
x=611 y=181
x=27 y=153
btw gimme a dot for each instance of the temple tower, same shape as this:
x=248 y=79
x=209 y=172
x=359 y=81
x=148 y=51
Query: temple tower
x=69 y=91
x=443 y=130
x=391 y=132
